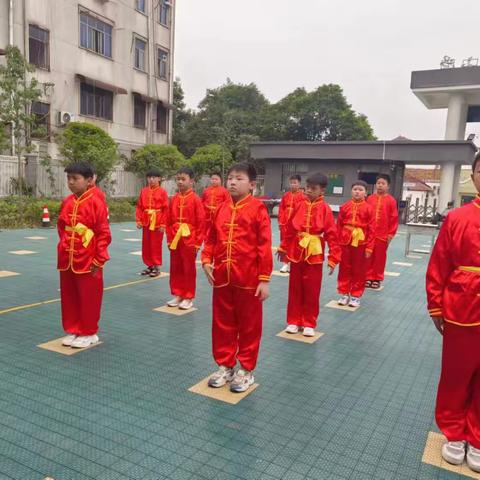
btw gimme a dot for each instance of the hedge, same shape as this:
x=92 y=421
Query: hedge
x=26 y=212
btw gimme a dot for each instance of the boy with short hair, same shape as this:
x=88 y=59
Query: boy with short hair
x=84 y=236
x=355 y=224
x=310 y=225
x=386 y=225
x=453 y=294
x=213 y=196
x=185 y=234
x=237 y=260
x=151 y=216
x=286 y=207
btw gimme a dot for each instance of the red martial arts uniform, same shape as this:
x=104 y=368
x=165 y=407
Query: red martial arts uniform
x=185 y=233
x=386 y=224
x=84 y=237
x=303 y=242
x=212 y=198
x=453 y=292
x=239 y=245
x=152 y=212
x=355 y=224
x=285 y=209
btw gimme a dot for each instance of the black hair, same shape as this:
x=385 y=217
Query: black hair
x=153 y=172
x=296 y=177
x=217 y=174
x=475 y=161
x=187 y=171
x=384 y=176
x=317 y=179
x=360 y=183
x=244 y=167
x=80 y=168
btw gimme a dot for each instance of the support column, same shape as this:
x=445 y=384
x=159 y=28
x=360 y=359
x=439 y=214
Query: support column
x=456 y=185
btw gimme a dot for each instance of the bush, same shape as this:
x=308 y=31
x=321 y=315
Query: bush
x=165 y=158
x=27 y=212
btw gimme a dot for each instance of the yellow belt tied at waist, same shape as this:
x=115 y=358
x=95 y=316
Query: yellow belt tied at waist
x=183 y=231
x=357 y=235
x=83 y=231
x=153 y=218
x=465 y=268
x=312 y=243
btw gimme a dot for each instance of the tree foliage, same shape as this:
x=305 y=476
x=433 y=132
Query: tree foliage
x=210 y=159
x=85 y=142
x=165 y=158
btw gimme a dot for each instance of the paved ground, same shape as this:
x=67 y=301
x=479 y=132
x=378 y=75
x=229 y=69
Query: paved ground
x=358 y=404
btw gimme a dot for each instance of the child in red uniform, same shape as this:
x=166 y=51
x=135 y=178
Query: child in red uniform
x=303 y=245
x=152 y=212
x=453 y=294
x=185 y=233
x=82 y=251
x=356 y=236
x=237 y=260
x=286 y=207
x=386 y=224
x=213 y=196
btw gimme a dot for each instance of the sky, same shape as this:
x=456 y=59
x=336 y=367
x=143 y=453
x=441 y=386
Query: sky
x=368 y=47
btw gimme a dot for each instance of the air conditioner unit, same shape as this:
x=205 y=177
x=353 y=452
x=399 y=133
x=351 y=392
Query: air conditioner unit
x=65 y=117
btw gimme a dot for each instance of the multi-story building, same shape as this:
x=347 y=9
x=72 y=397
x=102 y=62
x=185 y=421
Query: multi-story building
x=108 y=62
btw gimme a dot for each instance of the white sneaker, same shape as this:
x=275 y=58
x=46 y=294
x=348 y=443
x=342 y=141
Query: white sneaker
x=285 y=268
x=344 y=300
x=174 y=302
x=292 y=329
x=186 y=304
x=67 y=341
x=242 y=381
x=221 y=377
x=85 y=341
x=473 y=458
x=454 y=452
x=308 y=332
x=354 y=302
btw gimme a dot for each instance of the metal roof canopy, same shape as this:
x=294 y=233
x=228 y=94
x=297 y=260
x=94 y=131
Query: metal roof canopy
x=399 y=151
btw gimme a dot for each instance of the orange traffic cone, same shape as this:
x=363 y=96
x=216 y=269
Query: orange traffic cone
x=45 y=217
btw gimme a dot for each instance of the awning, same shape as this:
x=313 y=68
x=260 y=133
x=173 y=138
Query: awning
x=167 y=105
x=100 y=84
x=146 y=98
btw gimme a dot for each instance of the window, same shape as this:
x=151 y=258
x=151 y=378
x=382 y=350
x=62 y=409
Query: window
x=38 y=46
x=164 y=13
x=140 y=5
x=95 y=35
x=336 y=183
x=140 y=57
x=139 y=111
x=162 y=118
x=162 y=64
x=96 y=102
x=41 y=124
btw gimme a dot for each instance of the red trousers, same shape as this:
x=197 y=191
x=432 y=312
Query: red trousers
x=236 y=327
x=304 y=294
x=81 y=296
x=377 y=261
x=352 y=272
x=183 y=271
x=458 y=399
x=152 y=247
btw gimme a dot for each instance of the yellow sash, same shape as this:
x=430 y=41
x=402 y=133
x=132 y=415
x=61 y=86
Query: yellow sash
x=312 y=243
x=464 y=268
x=357 y=236
x=153 y=219
x=83 y=231
x=183 y=231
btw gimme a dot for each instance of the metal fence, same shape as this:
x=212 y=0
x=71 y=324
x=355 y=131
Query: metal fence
x=416 y=213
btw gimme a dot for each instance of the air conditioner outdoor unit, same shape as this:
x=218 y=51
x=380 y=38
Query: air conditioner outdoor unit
x=65 y=117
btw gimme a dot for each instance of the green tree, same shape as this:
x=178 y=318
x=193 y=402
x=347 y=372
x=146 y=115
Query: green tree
x=17 y=92
x=210 y=159
x=181 y=118
x=85 y=142
x=165 y=158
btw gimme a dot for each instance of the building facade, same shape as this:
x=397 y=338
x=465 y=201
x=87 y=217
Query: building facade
x=108 y=62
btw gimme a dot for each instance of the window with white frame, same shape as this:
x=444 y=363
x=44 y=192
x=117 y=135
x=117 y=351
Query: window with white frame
x=140 y=54
x=38 y=47
x=140 y=5
x=95 y=35
x=164 y=12
x=139 y=111
x=96 y=102
x=162 y=63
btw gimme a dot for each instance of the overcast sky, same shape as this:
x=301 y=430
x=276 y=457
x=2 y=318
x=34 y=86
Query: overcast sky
x=369 y=47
